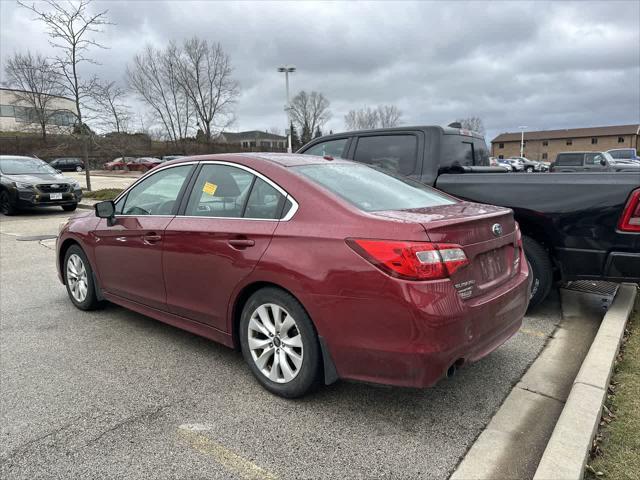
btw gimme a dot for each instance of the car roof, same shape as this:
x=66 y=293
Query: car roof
x=282 y=159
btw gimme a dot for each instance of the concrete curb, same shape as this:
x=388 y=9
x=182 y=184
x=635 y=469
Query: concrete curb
x=566 y=453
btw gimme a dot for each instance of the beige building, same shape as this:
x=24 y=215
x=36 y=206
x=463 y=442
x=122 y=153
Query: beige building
x=544 y=145
x=17 y=116
x=254 y=139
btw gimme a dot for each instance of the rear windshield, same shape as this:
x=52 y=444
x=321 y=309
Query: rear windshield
x=373 y=190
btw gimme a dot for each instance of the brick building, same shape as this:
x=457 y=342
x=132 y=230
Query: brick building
x=544 y=145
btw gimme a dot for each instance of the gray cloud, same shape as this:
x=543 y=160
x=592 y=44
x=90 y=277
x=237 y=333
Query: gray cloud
x=547 y=65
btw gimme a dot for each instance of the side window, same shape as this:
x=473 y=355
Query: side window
x=333 y=148
x=219 y=191
x=391 y=152
x=590 y=159
x=157 y=194
x=264 y=201
x=569 y=160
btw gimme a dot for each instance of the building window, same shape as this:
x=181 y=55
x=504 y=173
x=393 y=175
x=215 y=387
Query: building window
x=500 y=157
x=544 y=156
x=594 y=141
x=545 y=143
x=7 y=111
x=620 y=139
x=569 y=142
x=501 y=145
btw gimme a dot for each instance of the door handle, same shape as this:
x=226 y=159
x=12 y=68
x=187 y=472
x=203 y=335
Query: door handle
x=240 y=243
x=152 y=238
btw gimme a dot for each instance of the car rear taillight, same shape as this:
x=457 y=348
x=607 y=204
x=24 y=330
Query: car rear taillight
x=516 y=250
x=412 y=260
x=630 y=219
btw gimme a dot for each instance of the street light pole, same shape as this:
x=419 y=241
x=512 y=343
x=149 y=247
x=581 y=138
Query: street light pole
x=522 y=127
x=287 y=70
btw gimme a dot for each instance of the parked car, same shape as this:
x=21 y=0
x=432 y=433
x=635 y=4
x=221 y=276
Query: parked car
x=506 y=164
x=516 y=164
x=68 y=164
x=30 y=182
x=119 y=163
x=495 y=162
x=570 y=221
x=390 y=281
x=143 y=164
x=620 y=154
x=529 y=166
x=591 y=162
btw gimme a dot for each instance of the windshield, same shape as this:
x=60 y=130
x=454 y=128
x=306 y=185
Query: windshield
x=621 y=154
x=373 y=190
x=24 y=166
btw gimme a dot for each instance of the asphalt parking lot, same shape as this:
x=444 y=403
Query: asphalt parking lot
x=113 y=394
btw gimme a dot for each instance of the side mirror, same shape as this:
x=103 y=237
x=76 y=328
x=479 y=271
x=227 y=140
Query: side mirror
x=106 y=209
x=603 y=162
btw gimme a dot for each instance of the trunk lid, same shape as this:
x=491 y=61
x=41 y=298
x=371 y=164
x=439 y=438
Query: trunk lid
x=486 y=233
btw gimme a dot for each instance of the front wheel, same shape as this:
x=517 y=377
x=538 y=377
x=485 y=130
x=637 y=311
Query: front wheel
x=78 y=277
x=529 y=169
x=78 y=169
x=541 y=270
x=70 y=208
x=279 y=343
x=6 y=206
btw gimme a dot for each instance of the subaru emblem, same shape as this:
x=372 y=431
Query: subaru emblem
x=496 y=229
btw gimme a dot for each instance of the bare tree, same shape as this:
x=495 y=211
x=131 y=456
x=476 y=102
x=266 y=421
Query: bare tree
x=154 y=77
x=472 y=123
x=110 y=107
x=71 y=26
x=274 y=130
x=362 y=119
x=389 y=116
x=309 y=111
x=205 y=75
x=37 y=82
x=383 y=116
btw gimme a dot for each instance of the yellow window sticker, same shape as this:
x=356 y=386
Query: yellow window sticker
x=210 y=188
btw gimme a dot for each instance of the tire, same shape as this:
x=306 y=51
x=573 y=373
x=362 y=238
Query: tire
x=304 y=375
x=89 y=301
x=69 y=208
x=529 y=169
x=541 y=270
x=6 y=207
x=78 y=169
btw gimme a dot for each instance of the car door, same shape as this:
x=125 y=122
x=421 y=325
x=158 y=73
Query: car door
x=229 y=218
x=129 y=252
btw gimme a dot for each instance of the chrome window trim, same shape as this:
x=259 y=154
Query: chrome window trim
x=292 y=211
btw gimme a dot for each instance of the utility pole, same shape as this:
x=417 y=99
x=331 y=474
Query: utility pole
x=287 y=70
x=522 y=127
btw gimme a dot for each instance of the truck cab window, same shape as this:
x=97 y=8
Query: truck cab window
x=396 y=153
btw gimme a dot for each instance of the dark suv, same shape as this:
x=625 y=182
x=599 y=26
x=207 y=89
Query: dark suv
x=590 y=162
x=68 y=164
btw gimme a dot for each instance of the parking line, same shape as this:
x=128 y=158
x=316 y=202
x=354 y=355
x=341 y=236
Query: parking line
x=533 y=333
x=225 y=457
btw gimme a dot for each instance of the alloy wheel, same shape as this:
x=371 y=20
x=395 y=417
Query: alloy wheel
x=77 y=278
x=275 y=343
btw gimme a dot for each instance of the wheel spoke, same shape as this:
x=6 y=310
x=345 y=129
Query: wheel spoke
x=262 y=360
x=287 y=324
x=276 y=311
x=293 y=342
x=258 y=343
x=264 y=318
x=287 y=373
x=256 y=326
x=295 y=358
x=273 y=374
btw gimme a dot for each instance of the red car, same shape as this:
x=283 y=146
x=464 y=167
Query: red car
x=119 y=163
x=317 y=269
x=143 y=164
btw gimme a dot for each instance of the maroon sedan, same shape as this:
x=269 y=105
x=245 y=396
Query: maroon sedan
x=119 y=163
x=143 y=164
x=317 y=269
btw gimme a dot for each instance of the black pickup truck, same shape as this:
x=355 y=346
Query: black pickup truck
x=576 y=226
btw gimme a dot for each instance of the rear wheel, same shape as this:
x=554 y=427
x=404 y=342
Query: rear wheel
x=541 y=270
x=78 y=168
x=79 y=279
x=529 y=169
x=279 y=343
x=6 y=206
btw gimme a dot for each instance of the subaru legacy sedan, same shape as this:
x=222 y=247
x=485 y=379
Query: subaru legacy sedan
x=315 y=268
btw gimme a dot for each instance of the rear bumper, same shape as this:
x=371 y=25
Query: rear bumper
x=413 y=344
x=585 y=264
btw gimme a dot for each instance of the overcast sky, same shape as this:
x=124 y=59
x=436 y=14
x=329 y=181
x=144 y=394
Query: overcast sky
x=544 y=65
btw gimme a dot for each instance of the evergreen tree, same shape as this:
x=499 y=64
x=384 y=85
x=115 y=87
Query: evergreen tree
x=306 y=134
x=295 y=140
x=318 y=133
